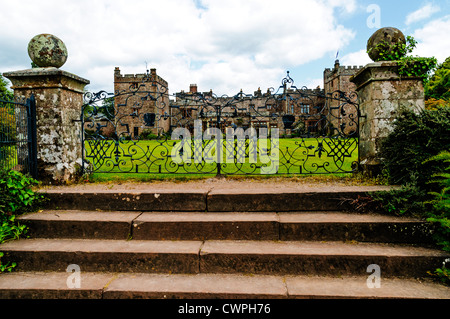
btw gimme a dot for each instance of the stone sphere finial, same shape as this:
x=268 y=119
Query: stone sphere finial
x=47 y=50
x=384 y=40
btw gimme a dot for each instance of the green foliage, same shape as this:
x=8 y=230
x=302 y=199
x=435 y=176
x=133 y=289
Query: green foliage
x=416 y=138
x=440 y=200
x=16 y=197
x=416 y=66
x=8 y=266
x=9 y=230
x=417 y=156
x=406 y=201
x=148 y=135
x=8 y=134
x=105 y=109
x=108 y=108
x=442 y=274
x=438 y=86
x=5 y=92
x=434 y=206
x=409 y=66
x=396 y=51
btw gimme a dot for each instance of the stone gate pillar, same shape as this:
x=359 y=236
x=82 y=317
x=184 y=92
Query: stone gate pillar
x=383 y=94
x=59 y=97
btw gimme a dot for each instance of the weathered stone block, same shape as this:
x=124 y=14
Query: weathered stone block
x=59 y=97
x=383 y=94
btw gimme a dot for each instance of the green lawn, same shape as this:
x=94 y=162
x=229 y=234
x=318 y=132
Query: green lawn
x=8 y=156
x=154 y=158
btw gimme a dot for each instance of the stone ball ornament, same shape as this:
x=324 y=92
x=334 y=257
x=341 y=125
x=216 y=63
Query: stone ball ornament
x=384 y=40
x=47 y=50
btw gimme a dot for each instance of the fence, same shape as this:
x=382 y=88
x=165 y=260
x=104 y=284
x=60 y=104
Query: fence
x=143 y=129
x=18 y=147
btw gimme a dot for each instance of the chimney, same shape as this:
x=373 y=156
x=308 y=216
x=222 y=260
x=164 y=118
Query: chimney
x=193 y=88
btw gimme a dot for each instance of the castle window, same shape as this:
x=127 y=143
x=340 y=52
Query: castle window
x=149 y=119
x=305 y=108
x=186 y=113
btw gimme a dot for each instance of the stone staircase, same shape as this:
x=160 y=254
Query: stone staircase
x=218 y=243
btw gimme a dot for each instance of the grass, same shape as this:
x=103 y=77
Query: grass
x=8 y=156
x=150 y=160
x=355 y=179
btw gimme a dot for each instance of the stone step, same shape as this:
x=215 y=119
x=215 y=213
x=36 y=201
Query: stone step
x=317 y=258
x=62 y=285
x=223 y=256
x=175 y=197
x=286 y=226
x=78 y=224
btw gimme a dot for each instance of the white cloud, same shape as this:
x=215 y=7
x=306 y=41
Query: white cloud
x=220 y=45
x=314 y=83
x=348 y=6
x=432 y=39
x=357 y=58
x=423 y=13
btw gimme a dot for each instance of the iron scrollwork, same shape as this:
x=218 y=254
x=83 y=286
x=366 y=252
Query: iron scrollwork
x=135 y=130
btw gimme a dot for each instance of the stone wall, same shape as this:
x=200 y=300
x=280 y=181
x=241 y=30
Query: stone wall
x=151 y=97
x=260 y=110
x=59 y=97
x=338 y=80
x=383 y=94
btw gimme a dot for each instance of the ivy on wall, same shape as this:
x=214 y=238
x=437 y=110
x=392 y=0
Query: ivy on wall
x=409 y=66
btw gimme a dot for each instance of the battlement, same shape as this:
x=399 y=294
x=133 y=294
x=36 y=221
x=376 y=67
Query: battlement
x=133 y=78
x=355 y=67
x=342 y=70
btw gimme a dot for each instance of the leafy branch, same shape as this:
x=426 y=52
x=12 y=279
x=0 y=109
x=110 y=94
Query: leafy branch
x=409 y=66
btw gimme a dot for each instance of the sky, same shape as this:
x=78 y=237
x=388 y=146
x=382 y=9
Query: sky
x=223 y=45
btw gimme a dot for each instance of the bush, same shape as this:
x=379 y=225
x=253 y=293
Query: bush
x=433 y=104
x=16 y=197
x=434 y=205
x=417 y=157
x=415 y=138
x=440 y=203
x=406 y=201
x=9 y=229
x=148 y=135
x=438 y=86
x=440 y=200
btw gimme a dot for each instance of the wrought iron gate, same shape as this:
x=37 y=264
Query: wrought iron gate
x=144 y=129
x=18 y=144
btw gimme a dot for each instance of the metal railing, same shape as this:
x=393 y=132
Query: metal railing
x=18 y=140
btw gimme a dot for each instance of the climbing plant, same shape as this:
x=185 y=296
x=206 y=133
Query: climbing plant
x=408 y=65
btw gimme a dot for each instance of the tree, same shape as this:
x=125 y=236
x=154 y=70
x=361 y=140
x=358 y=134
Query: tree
x=5 y=92
x=438 y=86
